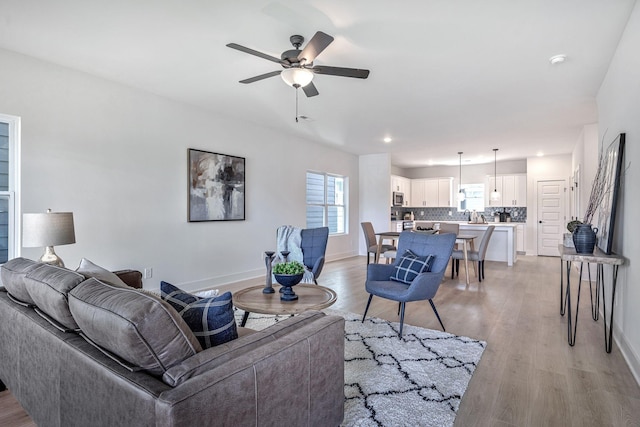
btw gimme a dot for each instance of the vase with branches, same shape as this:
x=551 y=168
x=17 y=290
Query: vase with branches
x=584 y=235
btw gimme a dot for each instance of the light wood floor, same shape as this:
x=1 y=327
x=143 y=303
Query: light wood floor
x=528 y=375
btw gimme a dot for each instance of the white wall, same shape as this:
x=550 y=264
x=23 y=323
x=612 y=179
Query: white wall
x=375 y=187
x=618 y=110
x=117 y=158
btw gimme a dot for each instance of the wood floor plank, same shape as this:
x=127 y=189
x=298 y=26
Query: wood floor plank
x=528 y=374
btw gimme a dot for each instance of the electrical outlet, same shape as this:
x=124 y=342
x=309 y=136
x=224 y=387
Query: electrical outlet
x=148 y=273
x=421 y=213
x=450 y=213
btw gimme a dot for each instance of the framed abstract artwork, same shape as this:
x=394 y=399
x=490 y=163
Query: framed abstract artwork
x=607 y=211
x=216 y=187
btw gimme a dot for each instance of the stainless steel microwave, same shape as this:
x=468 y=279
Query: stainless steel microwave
x=398 y=198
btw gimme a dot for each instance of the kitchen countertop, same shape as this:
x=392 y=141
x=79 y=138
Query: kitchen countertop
x=462 y=223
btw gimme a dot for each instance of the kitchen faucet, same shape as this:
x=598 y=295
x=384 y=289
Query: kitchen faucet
x=466 y=211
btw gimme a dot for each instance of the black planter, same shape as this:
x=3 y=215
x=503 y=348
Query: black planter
x=584 y=238
x=287 y=281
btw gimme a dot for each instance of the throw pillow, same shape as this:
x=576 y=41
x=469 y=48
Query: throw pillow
x=410 y=265
x=210 y=319
x=89 y=269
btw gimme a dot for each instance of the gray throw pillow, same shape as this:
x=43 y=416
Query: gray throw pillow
x=89 y=269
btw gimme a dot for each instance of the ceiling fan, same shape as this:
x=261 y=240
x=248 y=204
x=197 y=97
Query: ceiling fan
x=298 y=64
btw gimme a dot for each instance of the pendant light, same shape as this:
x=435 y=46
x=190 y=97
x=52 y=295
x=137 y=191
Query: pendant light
x=495 y=195
x=461 y=195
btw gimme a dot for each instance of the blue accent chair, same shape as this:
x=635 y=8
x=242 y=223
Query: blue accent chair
x=314 y=245
x=425 y=285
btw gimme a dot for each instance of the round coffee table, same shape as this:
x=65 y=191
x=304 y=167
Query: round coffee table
x=310 y=297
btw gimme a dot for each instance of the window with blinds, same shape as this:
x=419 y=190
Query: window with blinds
x=8 y=184
x=326 y=202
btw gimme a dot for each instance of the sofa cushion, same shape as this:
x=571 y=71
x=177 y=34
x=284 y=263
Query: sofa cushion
x=135 y=326
x=89 y=269
x=211 y=319
x=48 y=287
x=410 y=265
x=13 y=273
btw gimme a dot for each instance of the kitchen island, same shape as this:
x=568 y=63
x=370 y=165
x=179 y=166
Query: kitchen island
x=502 y=246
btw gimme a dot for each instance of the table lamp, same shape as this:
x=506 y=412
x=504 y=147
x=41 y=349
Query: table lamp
x=48 y=230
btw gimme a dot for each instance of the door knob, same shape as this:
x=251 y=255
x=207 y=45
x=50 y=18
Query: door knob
x=540 y=222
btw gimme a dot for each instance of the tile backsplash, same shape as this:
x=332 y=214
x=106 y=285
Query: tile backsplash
x=518 y=214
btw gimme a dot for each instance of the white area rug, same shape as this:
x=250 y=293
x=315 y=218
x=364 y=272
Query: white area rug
x=416 y=381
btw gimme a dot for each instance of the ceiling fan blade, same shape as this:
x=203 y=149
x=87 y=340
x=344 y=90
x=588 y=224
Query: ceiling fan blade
x=340 y=71
x=261 y=77
x=317 y=44
x=310 y=90
x=253 y=52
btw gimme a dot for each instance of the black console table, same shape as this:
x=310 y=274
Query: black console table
x=568 y=256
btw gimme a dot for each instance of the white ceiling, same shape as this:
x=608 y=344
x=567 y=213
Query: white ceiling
x=446 y=75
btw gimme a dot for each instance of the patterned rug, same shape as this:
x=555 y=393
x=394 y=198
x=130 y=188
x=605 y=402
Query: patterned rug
x=416 y=381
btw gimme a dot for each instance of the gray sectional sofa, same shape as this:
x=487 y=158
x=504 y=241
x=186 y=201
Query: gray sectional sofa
x=77 y=350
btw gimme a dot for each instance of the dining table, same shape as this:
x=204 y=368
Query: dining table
x=385 y=235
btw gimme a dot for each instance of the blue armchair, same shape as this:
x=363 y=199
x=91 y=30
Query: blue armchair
x=425 y=285
x=314 y=246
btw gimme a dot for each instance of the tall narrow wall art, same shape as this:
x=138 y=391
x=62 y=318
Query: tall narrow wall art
x=216 y=187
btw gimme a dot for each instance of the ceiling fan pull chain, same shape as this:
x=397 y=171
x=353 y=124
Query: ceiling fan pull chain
x=297 y=104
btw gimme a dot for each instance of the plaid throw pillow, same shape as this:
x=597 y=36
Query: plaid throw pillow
x=410 y=266
x=210 y=319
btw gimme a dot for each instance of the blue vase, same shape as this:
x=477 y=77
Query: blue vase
x=584 y=238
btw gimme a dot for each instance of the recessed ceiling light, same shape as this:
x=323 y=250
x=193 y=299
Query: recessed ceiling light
x=387 y=139
x=557 y=59
x=539 y=154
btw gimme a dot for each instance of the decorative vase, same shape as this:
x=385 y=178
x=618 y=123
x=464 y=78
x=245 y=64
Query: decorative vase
x=584 y=238
x=287 y=281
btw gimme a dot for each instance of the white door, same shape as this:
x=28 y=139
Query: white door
x=551 y=216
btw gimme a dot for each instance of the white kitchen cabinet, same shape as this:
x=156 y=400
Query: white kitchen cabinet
x=431 y=192
x=402 y=185
x=445 y=192
x=512 y=189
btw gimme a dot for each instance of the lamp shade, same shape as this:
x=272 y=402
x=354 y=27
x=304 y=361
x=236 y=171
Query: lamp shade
x=47 y=229
x=297 y=76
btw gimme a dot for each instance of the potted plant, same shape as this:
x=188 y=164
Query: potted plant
x=288 y=274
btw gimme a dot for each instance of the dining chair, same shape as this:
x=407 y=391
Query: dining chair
x=473 y=255
x=372 y=244
x=416 y=274
x=446 y=227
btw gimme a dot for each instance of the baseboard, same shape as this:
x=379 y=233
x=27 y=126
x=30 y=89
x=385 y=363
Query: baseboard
x=213 y=282
x=630 y=356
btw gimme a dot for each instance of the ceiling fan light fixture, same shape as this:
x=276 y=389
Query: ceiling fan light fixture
x=297 y=77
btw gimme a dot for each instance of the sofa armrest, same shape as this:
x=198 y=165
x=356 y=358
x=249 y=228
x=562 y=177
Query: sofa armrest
x=132 y=278
x=295 y=379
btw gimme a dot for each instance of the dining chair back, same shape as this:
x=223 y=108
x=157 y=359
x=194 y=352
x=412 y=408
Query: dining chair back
x=372 y=244
x=475 y=255
x=446 y=227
